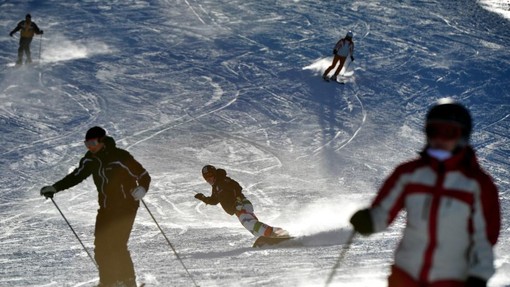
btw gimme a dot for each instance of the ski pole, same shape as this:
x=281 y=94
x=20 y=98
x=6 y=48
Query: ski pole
x=170 y=244
x=340 y=257
x=77 y=237
x=40 y=47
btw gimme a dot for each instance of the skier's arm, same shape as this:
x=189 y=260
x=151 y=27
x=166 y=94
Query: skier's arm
x=236 y=187
x=491 y=210
x=18 y=27
x=75 y=177
x=389 y=200
x=136 y=170
x=36 y=29
x=212 y=200
x=486 y=224
x=338 y=45
x=144 y=180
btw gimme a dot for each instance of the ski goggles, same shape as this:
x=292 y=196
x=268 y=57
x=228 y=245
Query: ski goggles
x=91 y=143
x=445 y=131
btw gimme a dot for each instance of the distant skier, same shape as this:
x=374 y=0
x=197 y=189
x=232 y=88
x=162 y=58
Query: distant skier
x=121 y=183
x=28 y=29
x=452 y=208
x=343 y=48
x=228 y=193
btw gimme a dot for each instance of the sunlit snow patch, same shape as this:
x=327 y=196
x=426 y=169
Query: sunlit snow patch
x=501 y=7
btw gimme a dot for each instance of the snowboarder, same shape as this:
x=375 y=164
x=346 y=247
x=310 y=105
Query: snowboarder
x=28 y=29
x=453 y=212
x=121 y=183
x=228 y=193
x=343 y=48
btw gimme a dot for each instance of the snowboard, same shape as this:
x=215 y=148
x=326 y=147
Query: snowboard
x=269 y=241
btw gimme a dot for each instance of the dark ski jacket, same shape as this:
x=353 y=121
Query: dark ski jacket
x=115 y=172
x=27 y=31
x=225 y=191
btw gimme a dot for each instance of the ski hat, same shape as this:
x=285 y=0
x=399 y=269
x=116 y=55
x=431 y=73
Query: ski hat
x=349 y=35
x=446 y=110
x=95 y=133
x=208 y=171
x=28 y=16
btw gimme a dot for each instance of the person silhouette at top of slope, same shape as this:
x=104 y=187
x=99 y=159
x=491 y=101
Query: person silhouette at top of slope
x=28 y=29
x=343 y=48
x=228 y=193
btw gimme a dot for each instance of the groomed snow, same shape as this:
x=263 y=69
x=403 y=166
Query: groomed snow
x=237 y=84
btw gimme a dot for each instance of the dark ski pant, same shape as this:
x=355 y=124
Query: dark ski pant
x=336 y=58
x=113 y=228
x=24 y=46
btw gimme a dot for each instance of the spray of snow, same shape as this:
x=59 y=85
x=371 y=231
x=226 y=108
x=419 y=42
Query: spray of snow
x=59 y=48
x=321 y=216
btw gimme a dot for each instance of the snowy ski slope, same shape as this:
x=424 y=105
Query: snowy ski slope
x=236 y=84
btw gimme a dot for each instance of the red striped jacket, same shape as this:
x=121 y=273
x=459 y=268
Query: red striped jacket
x=453 y=217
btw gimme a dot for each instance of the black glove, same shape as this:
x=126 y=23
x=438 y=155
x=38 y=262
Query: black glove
x=10 y=34
x=352 y=58
x=41 y=32
x=48 y=191
x=475 y=282
x=200 y=196
x=362 y=222
x=334 y=51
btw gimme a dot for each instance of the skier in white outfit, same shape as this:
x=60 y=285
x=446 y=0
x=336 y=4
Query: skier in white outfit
x=343 y=49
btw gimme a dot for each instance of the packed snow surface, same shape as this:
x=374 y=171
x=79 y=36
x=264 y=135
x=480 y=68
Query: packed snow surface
x=237 y=84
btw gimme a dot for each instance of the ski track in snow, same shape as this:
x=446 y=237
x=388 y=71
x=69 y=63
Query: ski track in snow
x=237 y=84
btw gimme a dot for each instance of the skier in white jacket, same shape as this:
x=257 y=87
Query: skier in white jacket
x=453 y=212
x=343 y=49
